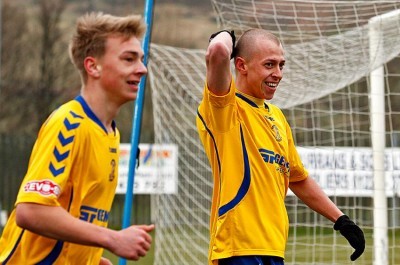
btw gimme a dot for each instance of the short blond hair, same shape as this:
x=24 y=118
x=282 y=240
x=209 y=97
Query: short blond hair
x=92 y=31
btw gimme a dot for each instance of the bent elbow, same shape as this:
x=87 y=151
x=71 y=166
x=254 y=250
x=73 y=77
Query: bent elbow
x=218 y=53
x=22 y=216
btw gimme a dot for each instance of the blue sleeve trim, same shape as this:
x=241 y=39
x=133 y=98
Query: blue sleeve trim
x=212 y=137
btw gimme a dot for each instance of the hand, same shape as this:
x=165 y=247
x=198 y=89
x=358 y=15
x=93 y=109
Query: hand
x=352 y=233
x=105 y=261
x=132 y=242
x=232 y=33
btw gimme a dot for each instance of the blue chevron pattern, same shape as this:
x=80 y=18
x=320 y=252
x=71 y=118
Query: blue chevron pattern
x=64 y=141
x=70 y=126
x=75 y=115
x=60 y=157
x=55 y=171
x=65 y=137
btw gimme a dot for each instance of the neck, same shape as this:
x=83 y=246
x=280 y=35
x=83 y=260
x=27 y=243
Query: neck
x=102 y=107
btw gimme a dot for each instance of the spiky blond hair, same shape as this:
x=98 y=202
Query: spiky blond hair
x=92 y=31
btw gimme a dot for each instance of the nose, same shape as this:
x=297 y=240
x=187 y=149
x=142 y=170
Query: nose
x=142 y=69
x=278 y=72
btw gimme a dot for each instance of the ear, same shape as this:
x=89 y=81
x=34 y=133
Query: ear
x=92 y=67
x=240 y=65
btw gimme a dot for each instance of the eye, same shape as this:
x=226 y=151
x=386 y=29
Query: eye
x=129 y=59
x=269 y=65
x=281 y=66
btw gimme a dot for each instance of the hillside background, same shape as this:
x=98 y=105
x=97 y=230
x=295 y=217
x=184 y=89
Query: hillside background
x=36 y=74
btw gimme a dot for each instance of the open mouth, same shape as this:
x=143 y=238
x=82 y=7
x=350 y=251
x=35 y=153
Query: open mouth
x=134 y=83
x=273 y=85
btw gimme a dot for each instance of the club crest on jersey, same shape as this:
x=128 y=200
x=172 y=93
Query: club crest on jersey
x=111 y=176
x=269 y=118
x=43 y=187
x=277 y=135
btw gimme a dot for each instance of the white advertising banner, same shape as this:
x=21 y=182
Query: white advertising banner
x=157 y=172
x=342 y=171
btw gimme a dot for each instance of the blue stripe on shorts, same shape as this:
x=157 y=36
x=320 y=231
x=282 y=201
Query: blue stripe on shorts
x=251 y=260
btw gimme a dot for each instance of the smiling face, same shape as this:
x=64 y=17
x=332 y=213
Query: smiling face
x=121 y=68
x=259 y=71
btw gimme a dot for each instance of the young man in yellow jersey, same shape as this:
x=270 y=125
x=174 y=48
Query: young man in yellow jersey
x=252 y=154
x=63 y=204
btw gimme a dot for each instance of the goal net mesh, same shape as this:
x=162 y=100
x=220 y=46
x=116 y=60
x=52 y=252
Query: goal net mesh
x=325 y=94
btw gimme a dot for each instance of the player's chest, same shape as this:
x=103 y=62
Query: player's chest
x=265 y=128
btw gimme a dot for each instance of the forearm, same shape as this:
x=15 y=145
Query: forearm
x=55 y=222
x=218 y=63
x=314 y=197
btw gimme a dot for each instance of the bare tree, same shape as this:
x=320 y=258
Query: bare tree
x=49 y=20
x=35 y=64
x=16 y=55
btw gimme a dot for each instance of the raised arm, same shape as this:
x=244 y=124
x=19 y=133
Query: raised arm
x=54 y=222
x=218 y=58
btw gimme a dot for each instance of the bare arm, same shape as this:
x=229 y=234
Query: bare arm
x=54 y=222
x=218 y=63
x=314 y=197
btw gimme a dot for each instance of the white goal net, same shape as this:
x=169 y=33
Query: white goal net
x=327 y=94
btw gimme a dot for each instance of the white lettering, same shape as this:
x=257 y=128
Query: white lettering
x=347 y=171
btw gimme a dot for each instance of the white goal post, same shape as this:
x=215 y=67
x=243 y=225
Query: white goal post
x=377 y=28
x=340 y=93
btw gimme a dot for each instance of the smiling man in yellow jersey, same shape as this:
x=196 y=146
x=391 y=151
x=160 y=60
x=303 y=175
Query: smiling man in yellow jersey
x=253 y=156
x=63 y=204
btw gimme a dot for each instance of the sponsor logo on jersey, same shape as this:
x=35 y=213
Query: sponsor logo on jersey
x=43 y=187
x=271 y=157
x=89 y=214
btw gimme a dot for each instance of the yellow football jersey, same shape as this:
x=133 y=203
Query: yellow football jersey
x=74 y=165
x=253 y=158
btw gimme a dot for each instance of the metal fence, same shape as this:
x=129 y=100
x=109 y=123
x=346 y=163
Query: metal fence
x=14 y=157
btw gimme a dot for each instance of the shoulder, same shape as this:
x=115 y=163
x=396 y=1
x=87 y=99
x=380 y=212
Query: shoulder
x=68 y=117
x=219 y=101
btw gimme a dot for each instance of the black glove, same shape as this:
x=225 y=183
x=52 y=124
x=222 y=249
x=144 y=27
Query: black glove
x=232 y=33
x=352 y=233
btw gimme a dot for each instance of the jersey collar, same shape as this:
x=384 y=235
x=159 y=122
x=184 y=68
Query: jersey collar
x=252 y=101
x=91 y=114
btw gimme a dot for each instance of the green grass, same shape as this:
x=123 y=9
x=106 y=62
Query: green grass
x=327 y=247
x=320 y=249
